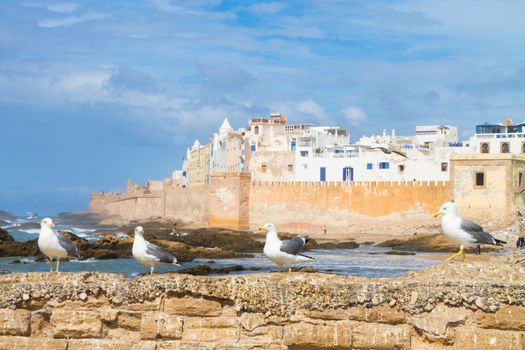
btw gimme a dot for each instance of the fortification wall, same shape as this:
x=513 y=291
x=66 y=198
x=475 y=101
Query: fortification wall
x=184 y=204
x=342 y=207
x=96 y=311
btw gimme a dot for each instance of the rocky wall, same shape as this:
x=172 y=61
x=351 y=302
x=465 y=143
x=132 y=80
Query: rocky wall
x=264 y=311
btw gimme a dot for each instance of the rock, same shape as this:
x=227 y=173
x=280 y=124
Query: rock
x=427 y=243
x=14 y=322
x=156 y=325
x=76 y=324
x=5 y=236
x=327 y=334
x=204 y=270
x=189 y=306
x=435 y=324
x=33 y=343
x=475 y=338
x=509 y=317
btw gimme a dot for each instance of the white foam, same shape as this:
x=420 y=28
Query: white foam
x=32 y=231
x=87 y=261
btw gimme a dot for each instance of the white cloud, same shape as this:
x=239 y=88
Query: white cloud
x=353 y=115
x=69 y=21
x=62 y=7
x=311 y=107
x=266 y=7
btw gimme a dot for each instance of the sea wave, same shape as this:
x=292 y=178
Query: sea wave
x=31 y=231
x=87 y=261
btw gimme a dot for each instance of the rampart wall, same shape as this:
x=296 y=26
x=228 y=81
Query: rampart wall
x=234 y=201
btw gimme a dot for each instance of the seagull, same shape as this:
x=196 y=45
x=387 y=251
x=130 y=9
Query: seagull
x=31 y=215
x=54 y=244
x=463 y=231
x=387 y=150
x=283 y=252
x=149 y=254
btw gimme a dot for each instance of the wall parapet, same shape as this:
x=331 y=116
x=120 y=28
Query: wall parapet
x=262 y=311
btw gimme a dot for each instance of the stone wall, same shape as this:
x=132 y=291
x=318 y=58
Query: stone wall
x=266 y=311
x=342 y=207
x=232 y=200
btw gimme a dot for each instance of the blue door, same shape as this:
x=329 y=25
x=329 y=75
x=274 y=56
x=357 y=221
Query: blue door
x=322 y=174
x=348 y=174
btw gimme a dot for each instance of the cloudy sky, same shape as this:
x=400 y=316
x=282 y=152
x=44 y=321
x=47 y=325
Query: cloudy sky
x=94 y=92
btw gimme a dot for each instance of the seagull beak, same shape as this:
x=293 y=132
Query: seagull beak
x=261 y=229
x=438 y=213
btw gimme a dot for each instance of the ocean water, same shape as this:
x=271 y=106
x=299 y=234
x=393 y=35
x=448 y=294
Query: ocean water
x=356 y=262
x=368 y=261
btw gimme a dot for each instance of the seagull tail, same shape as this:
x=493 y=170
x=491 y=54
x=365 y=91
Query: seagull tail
x=499 y=242
x=306 y=256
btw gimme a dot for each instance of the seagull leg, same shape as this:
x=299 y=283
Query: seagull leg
x=151 y=270
x=58 y=264
x=454 y=255
x=50 y=264
x=289 y=269
x=464 y=254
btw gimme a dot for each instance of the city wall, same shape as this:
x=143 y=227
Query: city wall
x=234 y=201
x=97 y=311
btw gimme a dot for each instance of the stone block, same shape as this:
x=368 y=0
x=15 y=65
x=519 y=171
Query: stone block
x=436 y=324
x=380 y=336
x=476 y=338
x=76 y=324
x=264 y=334
x=161 y=324
x=377 y=314
x=14 y=322
x=322 y=334
x=185 y=345
x=131 y=320
x=508 y=317
x=190 y=306
x=40 y=324
x=33 y=343
x=250 y=321
x=110 y=344
x=212 y=329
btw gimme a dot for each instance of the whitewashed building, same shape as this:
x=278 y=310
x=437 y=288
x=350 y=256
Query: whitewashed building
x=499 y=138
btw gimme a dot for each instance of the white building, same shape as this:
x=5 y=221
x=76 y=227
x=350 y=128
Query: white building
x=227 y=149
x=499 y=138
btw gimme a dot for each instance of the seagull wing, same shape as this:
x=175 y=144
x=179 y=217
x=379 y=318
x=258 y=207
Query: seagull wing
x=477 y=232
x=293 y=246
x=65 y=243
x=159 y=253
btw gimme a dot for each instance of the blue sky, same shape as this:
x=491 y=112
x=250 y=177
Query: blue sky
x=95 y=92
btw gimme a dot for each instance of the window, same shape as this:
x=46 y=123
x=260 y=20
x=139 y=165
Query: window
x=322 y=174
x=479 y=179
x=520 y=179
x=485 y=148
x=505 y=148
x=304 y=153
x=256 y=130
x=523 y=147
x=384 y=165
x=292 y=145
x=253 y=148
x=290 y=167
x=263 y=168
x=369 y=166
x=305 y=166
x=401 y=169
x=444 y=166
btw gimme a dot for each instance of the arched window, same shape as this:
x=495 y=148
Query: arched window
x=256 y=130
x=505 y=148
x=485 y=148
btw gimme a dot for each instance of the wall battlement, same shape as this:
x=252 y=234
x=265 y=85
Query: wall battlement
x=232 y=200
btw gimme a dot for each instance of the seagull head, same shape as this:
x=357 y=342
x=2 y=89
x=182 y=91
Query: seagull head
x=267 y=228
x=447 y=208
x=139 y=231
x=47 y=223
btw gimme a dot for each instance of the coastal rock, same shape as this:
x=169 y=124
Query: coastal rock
x=5 y=236
x=428 y=243
x=7 y=215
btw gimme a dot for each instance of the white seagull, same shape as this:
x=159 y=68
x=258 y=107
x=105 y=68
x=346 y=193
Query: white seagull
x=54 y=245
x=465 y=232
x=283 y=252
x=149 y=254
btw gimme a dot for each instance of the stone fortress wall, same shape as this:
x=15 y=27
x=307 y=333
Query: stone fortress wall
x=232 y=200
x=96 y=311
